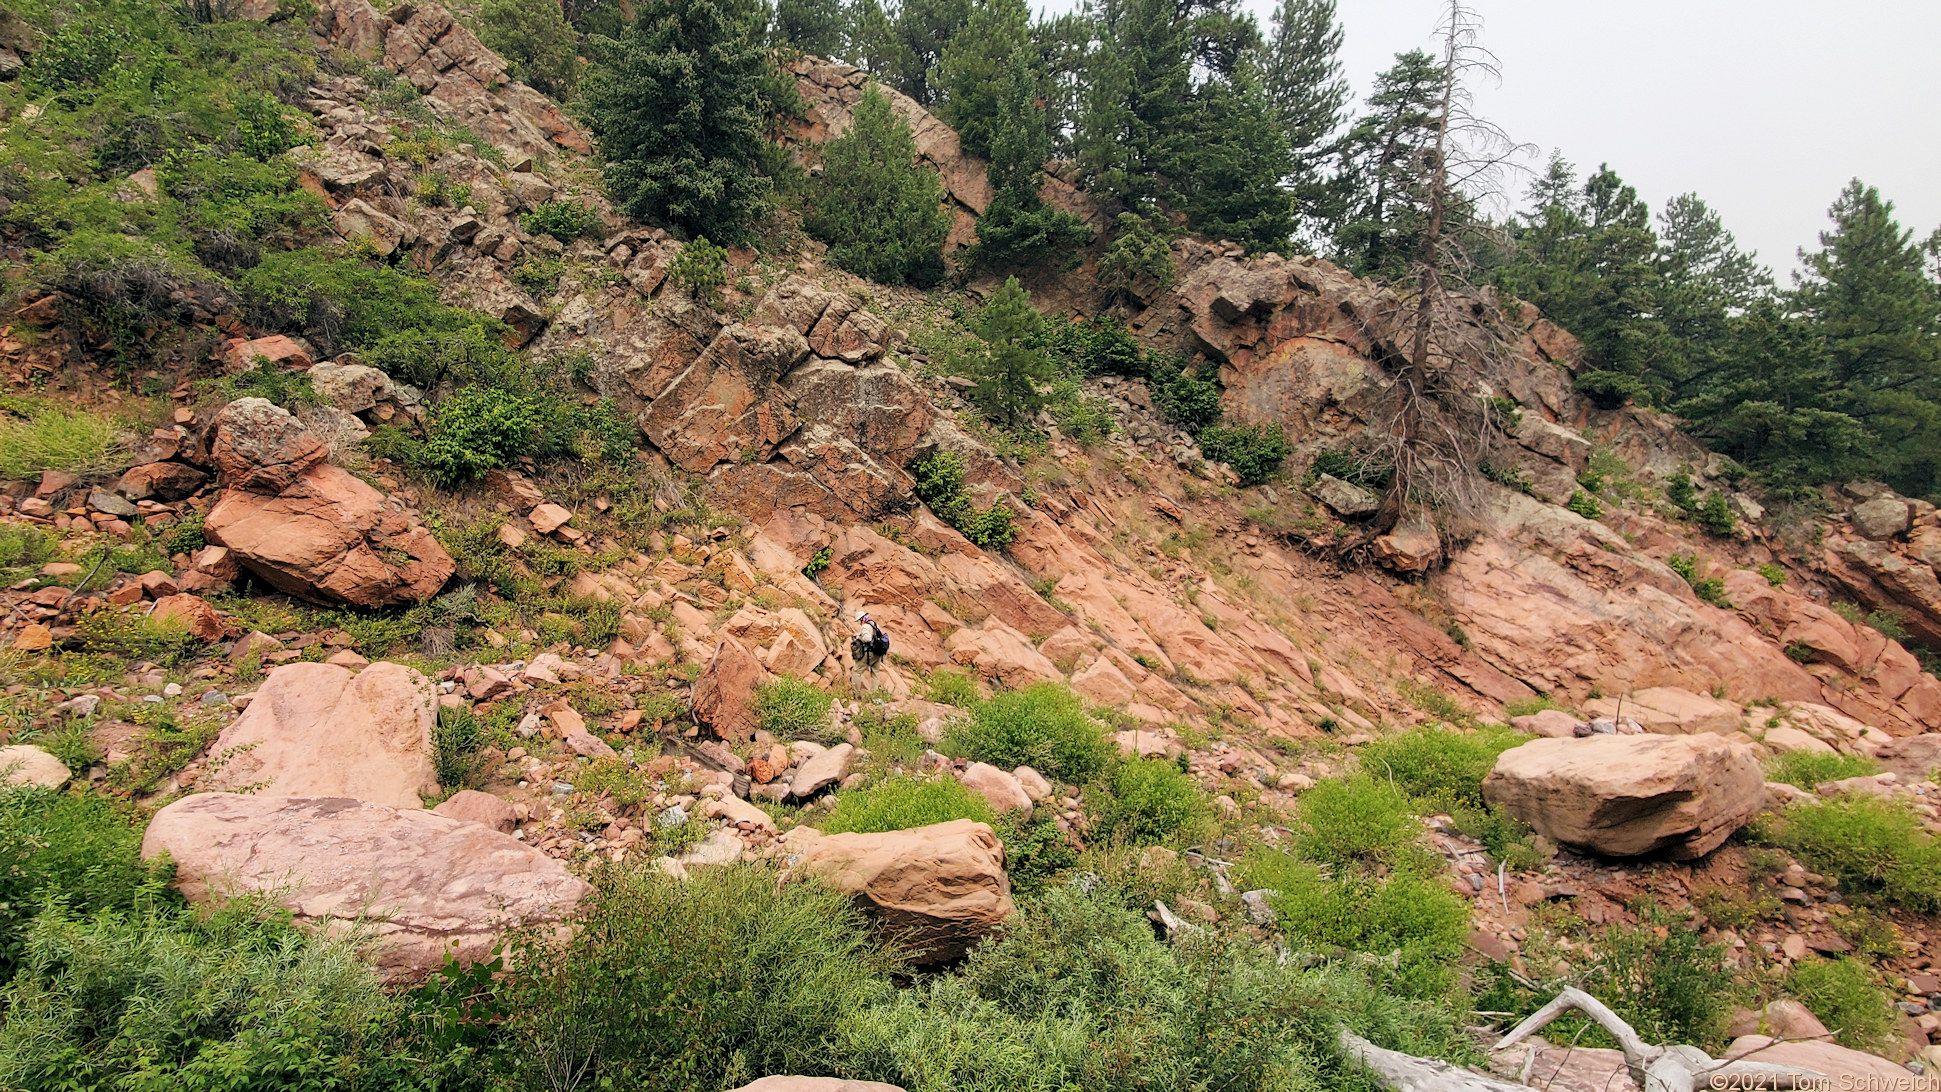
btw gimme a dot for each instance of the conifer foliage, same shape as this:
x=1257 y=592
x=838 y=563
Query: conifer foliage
x=879 y=210
x=677 y=104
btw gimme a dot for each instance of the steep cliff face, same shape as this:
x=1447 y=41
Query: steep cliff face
x=1157 y=584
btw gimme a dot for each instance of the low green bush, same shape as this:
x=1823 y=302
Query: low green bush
x=940 y=485
x=1584 y=505
x=1848 y=998
x=1149 y=801
x=478 y=429
x=1354 y=821
x=1043 y=726
x=23 y=545
x=456 y=738
x=1406 y=912
x=1876 y=849
x=1255 y=452
x=1807 y=769
x=563 y=220
x=900 y=803
x=1717 y=516
x=619 y=782
x=48 y=437
x=76 y=847
x=159 y=997
x=951 y=687
x=1185 y=398
x=1663 y=978
x=1437 y=769
x=701 y=268
x=708 y=982
x=792 y=708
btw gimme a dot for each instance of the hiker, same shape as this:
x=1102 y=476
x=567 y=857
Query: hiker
x=870 y=644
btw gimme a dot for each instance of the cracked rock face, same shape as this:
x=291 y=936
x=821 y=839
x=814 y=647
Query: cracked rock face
x=424 y=885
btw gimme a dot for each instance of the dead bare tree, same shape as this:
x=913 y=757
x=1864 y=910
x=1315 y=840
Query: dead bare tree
x=1668 y=1068
x=1451 y=342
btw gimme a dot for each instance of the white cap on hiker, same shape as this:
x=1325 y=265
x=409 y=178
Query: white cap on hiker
x=862 y=616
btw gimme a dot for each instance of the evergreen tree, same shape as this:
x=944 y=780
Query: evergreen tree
x=1010 y=375
x=542 y=46
x=1301 y=75
x=975 y=72
x=1229 y=187
x=1381 y=183
x=880 y=212
x=1018 y=228
x=1140 y=81
x=1705 y=280
x=903 y=48
x=677 y=104
x=1588 y=258
x=1878 y=319
x=818 y=27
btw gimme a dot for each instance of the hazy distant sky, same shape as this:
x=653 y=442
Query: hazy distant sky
x=1765 y=108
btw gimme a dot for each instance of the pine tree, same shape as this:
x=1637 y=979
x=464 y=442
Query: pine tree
x=542 y=46
x=903 y=48
x=1018 y=228
x=818 y=27
x=1704 y=281
x=677 y=105
x=880 y=212
x=1382 y=203
x=1229 y=187
x=1140 y=81
x=1301 y=74
x=1015 y=366
x=1878 y=318
x=975 y=71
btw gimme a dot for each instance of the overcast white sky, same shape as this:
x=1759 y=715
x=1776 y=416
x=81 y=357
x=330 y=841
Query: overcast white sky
x=1765 y=108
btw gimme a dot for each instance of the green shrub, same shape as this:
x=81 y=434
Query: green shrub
x=1043 y=726
x=539 y=41
x=1774 y=575
x=24 y=545
x=132 y=635
x=1807 y=769
x=1663 y=978
x=670 y=985
x=1680 y=491
x=701 y=268
x=900 y=803
x=538 y=274
x=158 y=997
x=949 y=687
x=940 y=485
x=456 y=738
x=1716 y=515
x=1404 y=912
x=880 y=211
x=1349 y=821
x=1036 y=852
x=620 y=782
x=891 y=739
x=1874 y=848
x=75 y=846
x=1350 y=467
x=1584 y=505
x=1185 y=398
x=49 y=437
x=1847 y=997
x=1255 y=452
x=791 y=708
x=1149 y=801
x=563 y=220
x=391 y=316
x=1523 y=707
x=478 y=429
x=1439 y=770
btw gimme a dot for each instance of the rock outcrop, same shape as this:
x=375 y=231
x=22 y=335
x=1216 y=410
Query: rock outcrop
x=1625 y=796
x=939 y=888
x=322 y=730
x=26 y=764
x=309 y=528
x=423 y=885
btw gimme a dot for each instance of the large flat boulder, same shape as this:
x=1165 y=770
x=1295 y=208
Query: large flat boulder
x=939 y=888
x=26 y=764
x=1842 y=1066
x=330 y=538
x=1624 y=796
x=424 y=885
x=323 y=730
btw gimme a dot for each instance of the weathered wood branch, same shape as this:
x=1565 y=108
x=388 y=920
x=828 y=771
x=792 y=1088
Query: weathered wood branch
x=1671 y=1067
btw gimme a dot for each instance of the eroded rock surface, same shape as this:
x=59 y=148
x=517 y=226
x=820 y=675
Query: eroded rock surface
x=318 y=729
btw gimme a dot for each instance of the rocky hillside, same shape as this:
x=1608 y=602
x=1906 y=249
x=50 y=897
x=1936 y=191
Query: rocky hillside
x=433 y=714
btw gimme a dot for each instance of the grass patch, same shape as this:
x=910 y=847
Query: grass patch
x=790 y=708
x=1149 y=801
x=1848 y=998
x=47 y=437
x=1405 y=912
x=1043 y=726
x=621 y=783
x=1807 y=769
x=949 y=687
x=900 y=803
x=1875 y=849
x=1439 y=770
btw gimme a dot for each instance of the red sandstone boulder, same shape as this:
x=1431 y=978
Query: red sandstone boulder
x=423 y=885
x=940 y=888
x=322 y=730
